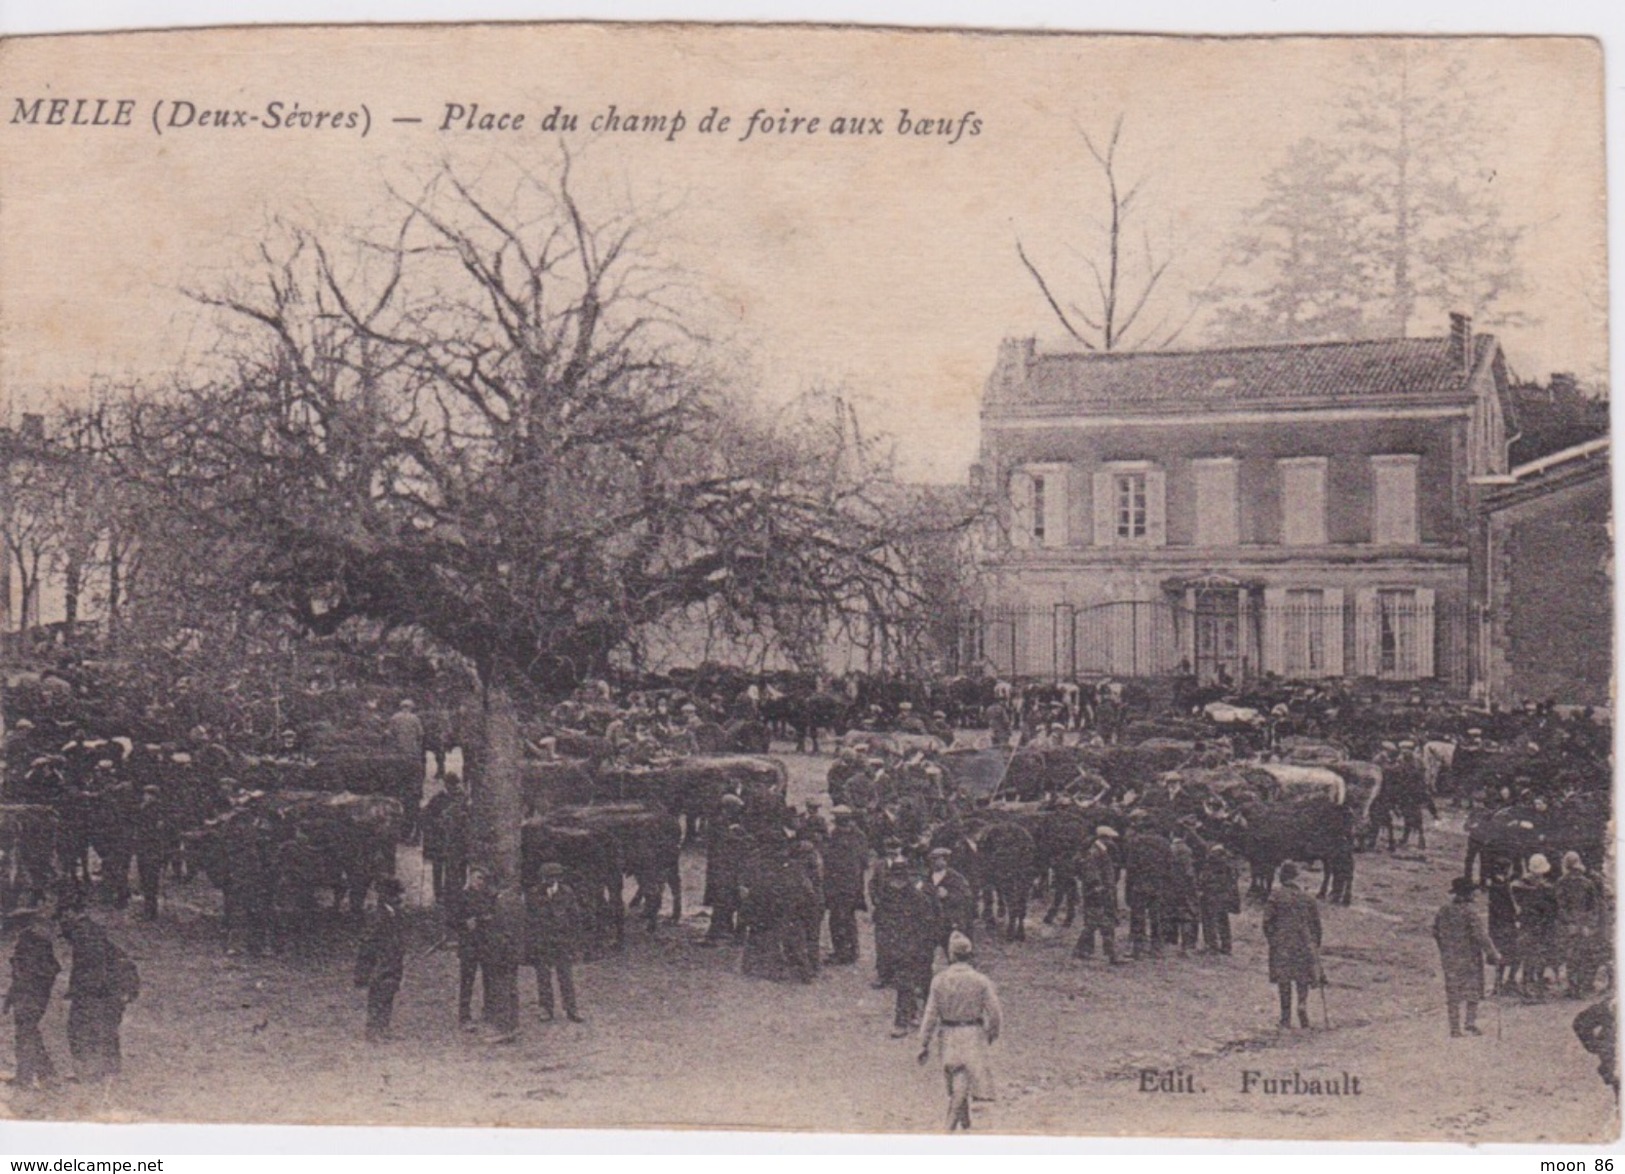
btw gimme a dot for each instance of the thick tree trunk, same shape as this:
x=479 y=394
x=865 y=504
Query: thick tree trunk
x=493 y=764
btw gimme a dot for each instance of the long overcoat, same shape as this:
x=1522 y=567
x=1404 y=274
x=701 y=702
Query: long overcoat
x=1292 y=929
x=1464 y=944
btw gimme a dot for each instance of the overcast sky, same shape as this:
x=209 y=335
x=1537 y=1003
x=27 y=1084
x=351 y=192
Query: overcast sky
x=883 y=264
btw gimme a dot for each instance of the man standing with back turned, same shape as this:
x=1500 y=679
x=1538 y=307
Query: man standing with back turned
x=963 y=1012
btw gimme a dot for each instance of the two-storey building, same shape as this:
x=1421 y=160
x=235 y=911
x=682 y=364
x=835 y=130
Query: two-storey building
x=1300 y=510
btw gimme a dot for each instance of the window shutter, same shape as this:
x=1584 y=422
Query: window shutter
x=1367 y=633
x=1105 y=494
x=1275 y=630
x=1156 y=507
x=1332 y=633
x=1021 y=509
x=1424 y=629
x=1057 y=503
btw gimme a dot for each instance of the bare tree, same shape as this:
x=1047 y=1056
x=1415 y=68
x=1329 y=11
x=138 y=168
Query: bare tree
x=1125 y=270
x=493 y=425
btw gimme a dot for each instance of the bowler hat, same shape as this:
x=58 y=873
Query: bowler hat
x=1462 y=886
x=1289 y=871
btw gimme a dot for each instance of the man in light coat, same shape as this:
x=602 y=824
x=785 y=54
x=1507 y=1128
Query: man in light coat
x=963 y=1015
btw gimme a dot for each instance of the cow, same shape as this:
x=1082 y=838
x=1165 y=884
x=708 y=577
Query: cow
x=1269 y=833
x=1009 y=857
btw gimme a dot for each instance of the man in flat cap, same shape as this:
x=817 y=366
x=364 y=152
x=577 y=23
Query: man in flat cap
x=955 y=898
x=553 y=919
x=962 y=1014
x=1097 y=876
x=846 y=858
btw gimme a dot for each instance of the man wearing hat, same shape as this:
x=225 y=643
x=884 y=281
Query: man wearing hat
x=1464 y=944
x=33 y=973
x=1220 y=897
x=445 y=837
x=1292 y=929
x=962 y=1013
x=380 y=963
x=553 y=918
x=725 y=857
x=956 y=900
x=906 y=933
x=155 y=841
x=1097 y=878
x=846 y=859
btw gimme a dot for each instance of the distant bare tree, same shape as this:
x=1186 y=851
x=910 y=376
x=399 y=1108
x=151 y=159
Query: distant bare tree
x=1125 y=269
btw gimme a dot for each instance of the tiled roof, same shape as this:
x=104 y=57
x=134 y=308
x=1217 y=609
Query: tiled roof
x=1400 y=369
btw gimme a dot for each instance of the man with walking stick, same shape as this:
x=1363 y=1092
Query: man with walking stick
x=1464 y=944
x=1292 y=929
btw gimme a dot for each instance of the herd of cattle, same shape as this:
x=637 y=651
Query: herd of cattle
x=1302 y=775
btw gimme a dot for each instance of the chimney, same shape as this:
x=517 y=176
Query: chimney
x=1015 y=358
x=1563 y=386
x=1461 y=342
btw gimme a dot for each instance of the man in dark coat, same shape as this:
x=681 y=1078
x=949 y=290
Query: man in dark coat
x=445 y=838
x=846 y=858
x=1594 y=1028
x=33 y=973
x=906 y=920
x=1182 y=908
x=724 y=869
x=956 y=900
x=1292 y=929
x=1464 y=944
x=1147 y=862
x=1220 y=897
x=1097 y=878
x=553 y=919
x=98 y=1003
x=476 y=906
x=155 y=841
x=381 y=962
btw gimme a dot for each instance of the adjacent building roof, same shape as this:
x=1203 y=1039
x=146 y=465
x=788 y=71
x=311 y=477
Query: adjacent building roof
x=1368 y=373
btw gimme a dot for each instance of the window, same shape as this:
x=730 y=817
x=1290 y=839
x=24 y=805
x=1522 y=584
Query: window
x=1305 y=635
x=1038 y=506
x=1131 y=506
x=1395 y=630
x=1393 y=480
x=1215 y=480
x=1303 y=501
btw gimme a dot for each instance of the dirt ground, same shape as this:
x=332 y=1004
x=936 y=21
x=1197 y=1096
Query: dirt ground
x=675 y=1036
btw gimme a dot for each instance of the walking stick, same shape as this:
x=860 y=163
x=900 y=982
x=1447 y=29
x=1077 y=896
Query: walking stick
x=1325 y=1015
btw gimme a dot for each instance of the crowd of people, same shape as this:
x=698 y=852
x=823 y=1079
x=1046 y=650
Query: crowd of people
x=936 y=863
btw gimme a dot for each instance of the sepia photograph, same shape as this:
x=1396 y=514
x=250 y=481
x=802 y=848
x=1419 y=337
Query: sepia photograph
x=807 y=578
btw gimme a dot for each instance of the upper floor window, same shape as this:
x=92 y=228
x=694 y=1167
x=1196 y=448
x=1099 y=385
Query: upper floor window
x=1038 y=506
x=1303 y=501
x=1216 y=498
x=1131 y=511
x=1393 y=500
x=1130 y=504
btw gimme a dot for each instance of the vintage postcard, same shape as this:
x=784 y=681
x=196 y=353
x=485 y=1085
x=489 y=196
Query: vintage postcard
x=807 y=578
